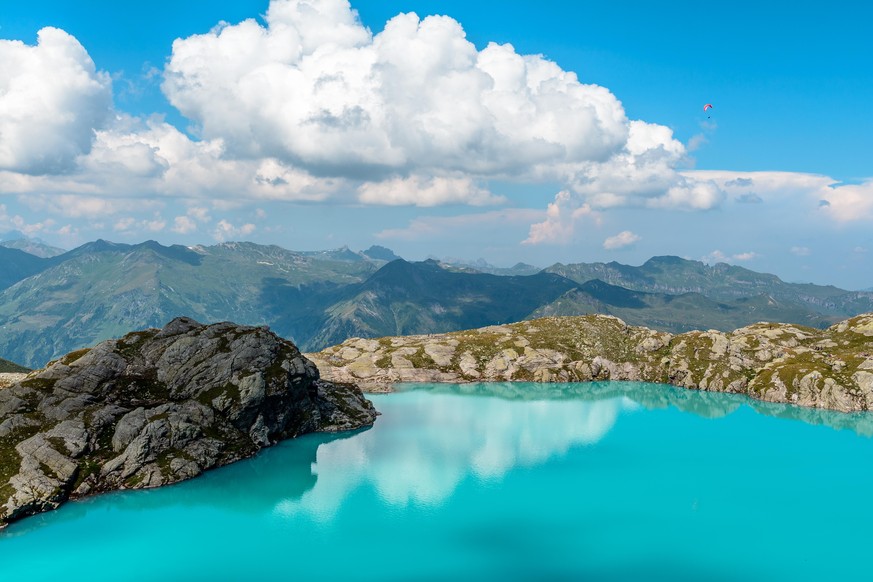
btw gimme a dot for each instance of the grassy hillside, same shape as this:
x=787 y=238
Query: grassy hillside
x=18 y=265
x=405 y=297
x=830 y=368
x=103 y=290
x=10 y=367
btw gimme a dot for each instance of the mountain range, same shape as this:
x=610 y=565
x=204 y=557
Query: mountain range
x=52 y=305
x=722 y=282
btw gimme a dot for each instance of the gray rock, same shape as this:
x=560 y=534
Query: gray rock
x=41 y=451
x=159 y=406
x=128 y=428
x=73 y=435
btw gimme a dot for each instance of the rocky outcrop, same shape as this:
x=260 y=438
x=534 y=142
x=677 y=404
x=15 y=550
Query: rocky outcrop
x=156 y=407
x=830 y=368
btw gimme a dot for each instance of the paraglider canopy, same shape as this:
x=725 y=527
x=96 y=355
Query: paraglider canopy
x=707 y=107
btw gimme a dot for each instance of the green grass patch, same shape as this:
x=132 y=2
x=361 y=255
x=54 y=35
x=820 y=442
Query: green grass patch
x=421 y=360
x=228 y=390
x=10 y=460
x=131 y=345
x=141 y=390
x=276 y=373
x=41 y=384
x=134 y=481
x=73 y=356
x=87 y=467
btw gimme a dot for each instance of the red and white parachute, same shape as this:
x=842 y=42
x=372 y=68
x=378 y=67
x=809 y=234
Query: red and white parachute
x=707 y=107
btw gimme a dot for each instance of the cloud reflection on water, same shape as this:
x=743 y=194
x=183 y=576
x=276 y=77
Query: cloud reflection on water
x=422 y=448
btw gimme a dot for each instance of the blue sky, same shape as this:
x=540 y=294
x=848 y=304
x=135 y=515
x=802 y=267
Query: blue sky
x=417 y=150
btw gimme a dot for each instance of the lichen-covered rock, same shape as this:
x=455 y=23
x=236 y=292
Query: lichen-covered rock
x=830 y=368
x=156 y=407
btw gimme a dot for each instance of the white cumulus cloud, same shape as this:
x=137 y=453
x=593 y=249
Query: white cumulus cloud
x=562 y=216
x=417 y=104
x=717 y=256
x=308 y=105
x=17 y=222
x=314 y=88
x=623 y=239
x=183 y=225
x=849 y=202
x=643 y=173
x=149 y=158
x=839 y=202
x=225 y=230
x=423 y=191
x=52 y=99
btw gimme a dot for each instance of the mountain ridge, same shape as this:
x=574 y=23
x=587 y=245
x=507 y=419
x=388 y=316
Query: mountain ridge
x=675 y=275
x=318 y=298
x=32 y=246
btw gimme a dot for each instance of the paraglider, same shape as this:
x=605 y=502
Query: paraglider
x=706 y=108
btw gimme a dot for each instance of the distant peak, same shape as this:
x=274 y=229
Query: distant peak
x=668 y=260
x=174 y=252
x=151 y=244
x=380 y=253
x=102 y=245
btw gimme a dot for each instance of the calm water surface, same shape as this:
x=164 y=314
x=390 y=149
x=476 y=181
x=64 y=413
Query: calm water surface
x=607 y=481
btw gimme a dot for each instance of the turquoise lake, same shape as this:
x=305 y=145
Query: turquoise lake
x=606 y=481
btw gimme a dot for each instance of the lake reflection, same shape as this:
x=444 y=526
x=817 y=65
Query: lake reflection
x=426 y=446
x=602 y=481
